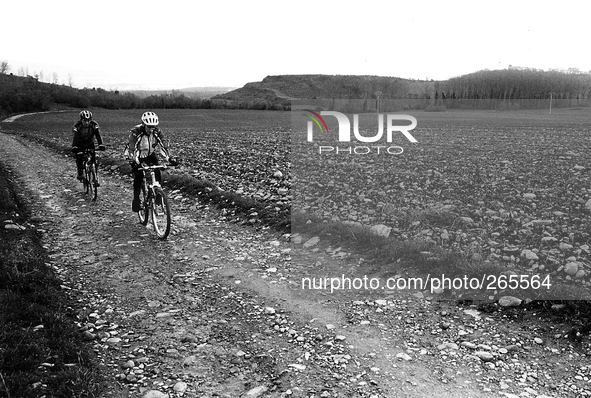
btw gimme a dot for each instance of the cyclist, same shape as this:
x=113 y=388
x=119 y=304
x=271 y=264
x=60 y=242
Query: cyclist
x=85 y=131
x=144 y=140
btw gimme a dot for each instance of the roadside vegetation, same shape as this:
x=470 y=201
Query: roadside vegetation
x=41 y=352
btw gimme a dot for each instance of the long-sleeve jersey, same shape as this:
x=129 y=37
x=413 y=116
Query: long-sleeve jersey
x=142 y=144
x=84 y=136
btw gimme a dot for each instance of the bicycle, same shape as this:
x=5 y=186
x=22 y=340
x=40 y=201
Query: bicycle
x=154 y=202
x=90 y=178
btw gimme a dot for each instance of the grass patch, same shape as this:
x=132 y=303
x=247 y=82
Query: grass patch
x=41 y=351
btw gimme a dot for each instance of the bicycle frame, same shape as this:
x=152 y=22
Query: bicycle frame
x=90 y=169
x=87 y=156
x=155 y=204
x=150 y=176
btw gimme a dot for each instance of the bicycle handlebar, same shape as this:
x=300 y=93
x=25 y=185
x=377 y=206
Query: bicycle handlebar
x=89 y=150
x=157 y=166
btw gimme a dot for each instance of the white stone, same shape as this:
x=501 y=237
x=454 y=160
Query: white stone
x=509 y=301
x=256 y=392
x=312 y=241
x=529 y=255
x=403 y=357
x=155 y=394
x=380 y=230
x=571 y=268
x=180 y=387
x=484 y=356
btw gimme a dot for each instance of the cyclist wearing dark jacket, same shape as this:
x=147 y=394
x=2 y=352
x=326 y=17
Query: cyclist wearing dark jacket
x=85 y=131
x=144 y=140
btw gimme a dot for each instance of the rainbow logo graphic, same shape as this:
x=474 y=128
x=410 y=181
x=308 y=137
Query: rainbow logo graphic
x=316 y=120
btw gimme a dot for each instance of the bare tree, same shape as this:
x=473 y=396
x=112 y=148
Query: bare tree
x=4 y=67
x=70 y=80
x=55 y=78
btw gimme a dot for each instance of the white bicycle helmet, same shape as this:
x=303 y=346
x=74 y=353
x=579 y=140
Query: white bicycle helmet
x=150 y=119
x=85 y=115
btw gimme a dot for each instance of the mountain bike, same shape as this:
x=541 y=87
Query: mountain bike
x=154 y=202
x=90 y=177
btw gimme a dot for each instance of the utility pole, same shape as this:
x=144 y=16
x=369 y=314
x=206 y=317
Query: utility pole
x=378 y=95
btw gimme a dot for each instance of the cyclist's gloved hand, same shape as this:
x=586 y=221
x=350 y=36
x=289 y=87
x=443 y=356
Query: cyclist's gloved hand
x=101 y=147
x=173 y=161
x=74 y=149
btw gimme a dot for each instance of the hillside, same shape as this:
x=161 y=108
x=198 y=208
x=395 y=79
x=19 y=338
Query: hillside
x=507 y=86
x=288 y=87
x=20 y=94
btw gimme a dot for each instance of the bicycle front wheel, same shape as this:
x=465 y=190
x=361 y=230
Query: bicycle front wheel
x=144 y=213
x=86 y=179
x=92 y=182
x=161 y=213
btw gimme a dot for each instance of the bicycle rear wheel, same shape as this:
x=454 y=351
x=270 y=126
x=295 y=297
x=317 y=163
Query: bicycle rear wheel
x=92 y=181
x=144 y=213
x=161 y=213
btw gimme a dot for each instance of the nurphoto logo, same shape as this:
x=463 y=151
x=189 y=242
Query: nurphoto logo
x=344 y=134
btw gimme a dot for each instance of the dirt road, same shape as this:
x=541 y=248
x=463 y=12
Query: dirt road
x=218 y=309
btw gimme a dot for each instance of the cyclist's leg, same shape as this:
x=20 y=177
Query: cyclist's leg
x=137 y=186
x=79 y=166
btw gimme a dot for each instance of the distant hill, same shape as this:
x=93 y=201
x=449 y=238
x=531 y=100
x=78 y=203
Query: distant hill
x=289 y=87
x=191 y=92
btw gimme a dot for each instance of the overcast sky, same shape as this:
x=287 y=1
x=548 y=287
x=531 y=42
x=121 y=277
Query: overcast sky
x=176 y=44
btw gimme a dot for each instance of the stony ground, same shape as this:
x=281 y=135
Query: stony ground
x=217 y=310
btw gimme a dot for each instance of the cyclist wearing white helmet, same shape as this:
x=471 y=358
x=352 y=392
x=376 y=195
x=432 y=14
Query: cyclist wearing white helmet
x=85 y=131
x=144 y=140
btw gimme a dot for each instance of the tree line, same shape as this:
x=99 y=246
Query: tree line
x=20 y=94
x=517 y=86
